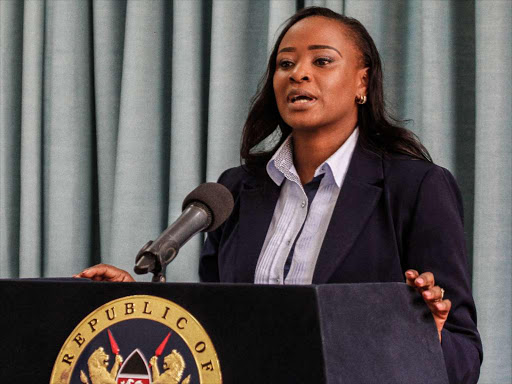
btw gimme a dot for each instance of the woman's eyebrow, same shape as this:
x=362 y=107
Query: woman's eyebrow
x=311 y=47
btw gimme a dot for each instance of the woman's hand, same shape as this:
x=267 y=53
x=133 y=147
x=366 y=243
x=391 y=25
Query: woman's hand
x=432 y=294
x=105 y=272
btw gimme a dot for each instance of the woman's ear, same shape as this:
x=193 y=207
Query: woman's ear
x=362 y=85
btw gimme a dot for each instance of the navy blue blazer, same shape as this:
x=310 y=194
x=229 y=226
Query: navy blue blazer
x=393 y=213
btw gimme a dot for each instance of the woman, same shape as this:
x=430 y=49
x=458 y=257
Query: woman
x=346 y=195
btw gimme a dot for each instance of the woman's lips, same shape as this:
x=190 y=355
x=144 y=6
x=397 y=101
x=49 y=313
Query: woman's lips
x=301 y=103
x=299 y=99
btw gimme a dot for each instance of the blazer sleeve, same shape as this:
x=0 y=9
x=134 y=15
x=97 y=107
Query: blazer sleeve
x=208 y=264
x=435 y=243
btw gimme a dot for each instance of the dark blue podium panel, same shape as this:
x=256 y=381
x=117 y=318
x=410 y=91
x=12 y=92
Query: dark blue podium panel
x=340 y=333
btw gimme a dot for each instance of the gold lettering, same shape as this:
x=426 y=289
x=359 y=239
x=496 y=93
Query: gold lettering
x=79 y=339
x=200 y=347
x=111 y=316
x=146 y=303
x=207 y=366
x=180 y=320
x=68 y=359
x=129 y=308
x=92 y=323
x=165 y=314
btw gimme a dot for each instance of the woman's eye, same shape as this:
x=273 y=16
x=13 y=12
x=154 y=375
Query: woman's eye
x=323 y=61
x=285 y=63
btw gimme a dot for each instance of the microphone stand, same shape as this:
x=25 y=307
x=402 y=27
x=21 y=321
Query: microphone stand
x=154 y=261
x=156 y=255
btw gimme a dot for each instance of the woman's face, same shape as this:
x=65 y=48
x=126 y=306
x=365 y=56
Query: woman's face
x=318 y=76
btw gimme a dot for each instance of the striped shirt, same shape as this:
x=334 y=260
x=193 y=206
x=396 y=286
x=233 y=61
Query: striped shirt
x=299 y=224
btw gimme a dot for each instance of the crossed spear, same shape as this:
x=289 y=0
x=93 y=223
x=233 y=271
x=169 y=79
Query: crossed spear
x=115 y=348
x=161 y=347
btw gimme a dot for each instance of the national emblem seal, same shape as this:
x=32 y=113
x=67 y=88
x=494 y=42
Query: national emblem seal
x=138 y=340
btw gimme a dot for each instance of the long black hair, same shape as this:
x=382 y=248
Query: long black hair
x=379 y=132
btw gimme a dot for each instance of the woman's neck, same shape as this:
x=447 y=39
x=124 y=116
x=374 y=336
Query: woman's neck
x=312 y=148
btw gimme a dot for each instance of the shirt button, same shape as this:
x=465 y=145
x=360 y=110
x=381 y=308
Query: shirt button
x=303 y=204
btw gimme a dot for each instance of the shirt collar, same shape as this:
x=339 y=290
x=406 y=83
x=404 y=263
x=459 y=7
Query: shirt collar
x=281 y=166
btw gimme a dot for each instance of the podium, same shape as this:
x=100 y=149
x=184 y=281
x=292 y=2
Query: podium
x=340 y=333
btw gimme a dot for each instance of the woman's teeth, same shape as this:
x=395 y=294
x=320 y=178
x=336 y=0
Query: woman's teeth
x=301 y=99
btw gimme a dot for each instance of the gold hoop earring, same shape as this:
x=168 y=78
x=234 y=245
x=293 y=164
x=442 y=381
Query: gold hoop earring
x=361 y=99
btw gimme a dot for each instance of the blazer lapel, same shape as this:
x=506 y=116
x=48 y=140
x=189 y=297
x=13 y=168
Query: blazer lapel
x=357 y=200
x=257 y=204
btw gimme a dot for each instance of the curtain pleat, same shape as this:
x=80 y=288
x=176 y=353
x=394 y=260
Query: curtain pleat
x=112 y=111
x=335 y=5
x=141 y=186
x=31 y=174
x=68 y=117
x=11 y=60
x=493 y=188
x=278 y=12
x=238 y=58
x=108 y=29
x=189 y=118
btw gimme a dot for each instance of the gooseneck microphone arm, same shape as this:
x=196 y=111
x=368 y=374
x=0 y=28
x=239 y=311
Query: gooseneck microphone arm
x=156 y=255
x=204 y=209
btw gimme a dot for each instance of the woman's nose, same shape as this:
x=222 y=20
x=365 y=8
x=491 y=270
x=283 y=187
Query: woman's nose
x=299 y=74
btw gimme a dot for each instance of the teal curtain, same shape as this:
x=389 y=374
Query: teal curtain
x=111 y=111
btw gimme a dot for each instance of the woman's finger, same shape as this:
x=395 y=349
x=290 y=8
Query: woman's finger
x=410 y=275
x=433 y=294
x=441 y=308
x=105 y=272
x=440 y=311
x=96 y=270
x=425 y=280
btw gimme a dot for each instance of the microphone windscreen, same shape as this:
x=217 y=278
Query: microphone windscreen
x=216 y=197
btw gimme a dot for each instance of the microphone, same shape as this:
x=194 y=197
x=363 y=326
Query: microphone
x=204 y=210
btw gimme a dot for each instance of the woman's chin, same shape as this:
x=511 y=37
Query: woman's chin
x=306 y=123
